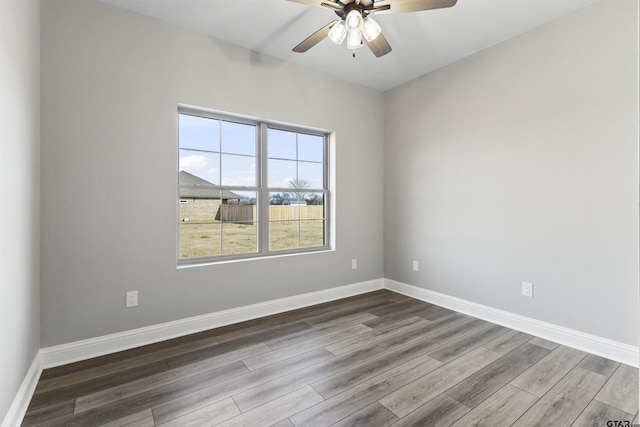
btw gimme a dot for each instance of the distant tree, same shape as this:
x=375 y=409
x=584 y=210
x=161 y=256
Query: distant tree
x=299 y=184
x=278 y=198
x=314 y=199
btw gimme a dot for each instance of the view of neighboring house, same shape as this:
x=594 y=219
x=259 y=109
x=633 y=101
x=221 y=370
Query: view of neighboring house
x=200 y=199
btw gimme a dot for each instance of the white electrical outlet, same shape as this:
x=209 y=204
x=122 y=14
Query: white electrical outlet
x=527 y=289
x=354 y=264
x=416 y=267
x=132 y=299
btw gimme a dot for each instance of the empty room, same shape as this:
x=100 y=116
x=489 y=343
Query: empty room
x=322 y=213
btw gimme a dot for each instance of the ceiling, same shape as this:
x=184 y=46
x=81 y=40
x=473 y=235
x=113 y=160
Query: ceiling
x=422 y=41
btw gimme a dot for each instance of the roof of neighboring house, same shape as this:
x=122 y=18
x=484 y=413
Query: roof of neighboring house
x=194 y=187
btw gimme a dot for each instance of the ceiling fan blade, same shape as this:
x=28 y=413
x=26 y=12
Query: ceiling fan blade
x=314 y=38
x=332 y=6
x=379 y=46
x=309 y=2
x=413 y=5
x=366 y=3
x=377 y=8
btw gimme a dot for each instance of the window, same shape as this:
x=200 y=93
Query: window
x=249 y=188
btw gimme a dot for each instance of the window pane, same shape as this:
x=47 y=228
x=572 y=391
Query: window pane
x=281 y=207
x=313 y=173
x=281 y=173
x=238 y=138
x=313 y=207
x=283 y=222
x=238 y=206
x=194 y=208
x=239 y=228
x=199 y=133
x=239 y=237
x=199 y=240
x=281 y=144
x=199 y=166
x=238 y=170
x=283 y=234
x=311 y=233
x=310 y=147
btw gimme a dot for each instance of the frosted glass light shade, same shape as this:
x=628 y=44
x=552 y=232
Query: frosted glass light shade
x=338 y=32
x=354 y=41
x=354 y=21
x=370 y=29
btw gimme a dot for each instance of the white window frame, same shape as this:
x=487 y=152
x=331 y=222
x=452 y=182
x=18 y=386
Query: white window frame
x=261 y=188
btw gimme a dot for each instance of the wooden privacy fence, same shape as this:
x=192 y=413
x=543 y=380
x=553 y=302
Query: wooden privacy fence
x=294 y=212
x=235 y=213
x=247 y=213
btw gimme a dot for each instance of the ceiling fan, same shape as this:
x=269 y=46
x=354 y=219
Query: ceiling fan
x=356 y=25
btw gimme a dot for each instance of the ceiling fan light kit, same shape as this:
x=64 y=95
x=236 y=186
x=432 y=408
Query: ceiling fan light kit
x=354 y=41
x=370 y=29
x=355 y=24
x=354 y=21
x=338 y=32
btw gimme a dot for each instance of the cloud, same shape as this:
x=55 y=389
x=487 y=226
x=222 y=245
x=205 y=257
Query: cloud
x=193 y=162
x=199 y=165
x=240 y=181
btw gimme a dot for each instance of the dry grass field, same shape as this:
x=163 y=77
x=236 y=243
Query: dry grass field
x=204 y=239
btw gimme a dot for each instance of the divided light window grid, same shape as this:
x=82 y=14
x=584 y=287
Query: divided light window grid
x=249 y=188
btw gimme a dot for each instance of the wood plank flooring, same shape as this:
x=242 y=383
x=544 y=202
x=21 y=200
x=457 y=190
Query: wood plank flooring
x=377 y=359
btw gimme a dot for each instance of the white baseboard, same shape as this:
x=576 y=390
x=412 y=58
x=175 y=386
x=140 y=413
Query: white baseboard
x=609 y=349
x=93 y=347
x=21 y=402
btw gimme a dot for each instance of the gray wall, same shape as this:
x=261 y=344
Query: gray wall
x=111 y=83
x=20 y=190
x=517 y=164
x=520 y=163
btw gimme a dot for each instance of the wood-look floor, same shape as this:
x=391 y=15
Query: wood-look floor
x=376 y=359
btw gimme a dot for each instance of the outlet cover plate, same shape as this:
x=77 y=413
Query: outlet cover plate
x=527 y=289
x=132 y=299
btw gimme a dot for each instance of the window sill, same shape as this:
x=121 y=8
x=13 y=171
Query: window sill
x=201 y=262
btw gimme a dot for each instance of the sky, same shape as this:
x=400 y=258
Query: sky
x=224 y=153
